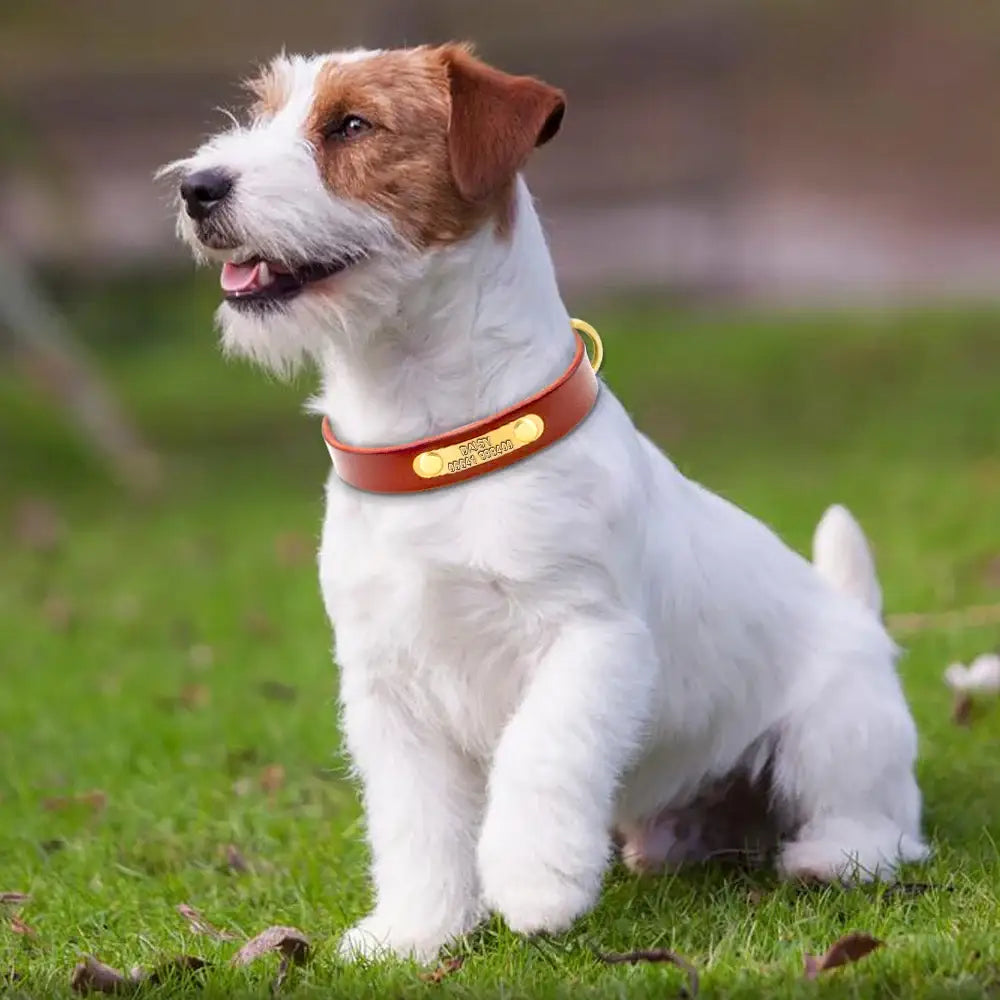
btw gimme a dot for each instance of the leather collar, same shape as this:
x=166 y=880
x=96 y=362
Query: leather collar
x=481 y=447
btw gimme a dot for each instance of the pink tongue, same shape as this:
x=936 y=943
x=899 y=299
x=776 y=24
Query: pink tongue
x=240 y=277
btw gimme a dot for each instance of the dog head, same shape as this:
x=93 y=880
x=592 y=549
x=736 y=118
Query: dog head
x=353 y=171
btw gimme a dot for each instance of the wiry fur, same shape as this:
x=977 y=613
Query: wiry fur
x=584 y=641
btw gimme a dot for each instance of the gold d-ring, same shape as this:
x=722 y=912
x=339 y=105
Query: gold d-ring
x=595 y=338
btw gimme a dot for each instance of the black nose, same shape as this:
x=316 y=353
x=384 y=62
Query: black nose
x=203 y=190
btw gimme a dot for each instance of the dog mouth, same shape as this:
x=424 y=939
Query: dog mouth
x=258 y=282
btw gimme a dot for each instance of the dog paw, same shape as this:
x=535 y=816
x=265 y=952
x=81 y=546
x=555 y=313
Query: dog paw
x=541 y=903
x=533 y=894
x=376 y=938
x=849 y=852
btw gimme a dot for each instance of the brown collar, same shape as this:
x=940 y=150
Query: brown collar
x=481 y=447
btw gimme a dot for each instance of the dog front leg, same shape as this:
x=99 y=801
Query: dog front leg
x=546 y=841
x=423 y=807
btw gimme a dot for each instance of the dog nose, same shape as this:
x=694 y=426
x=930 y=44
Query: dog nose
x=203 y=190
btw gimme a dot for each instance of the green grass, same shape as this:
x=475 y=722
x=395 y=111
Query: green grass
x=208 y=596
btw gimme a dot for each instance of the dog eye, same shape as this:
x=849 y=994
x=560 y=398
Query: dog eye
x=349 y=127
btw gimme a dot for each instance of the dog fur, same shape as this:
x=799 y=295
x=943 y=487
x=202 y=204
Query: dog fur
x=586 y=645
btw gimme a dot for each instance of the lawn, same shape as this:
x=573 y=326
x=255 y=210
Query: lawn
x=167 y=720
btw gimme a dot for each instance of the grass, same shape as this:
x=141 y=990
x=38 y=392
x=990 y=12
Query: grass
x=174 y=656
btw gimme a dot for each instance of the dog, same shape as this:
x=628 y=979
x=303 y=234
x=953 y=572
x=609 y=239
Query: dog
x=584 y=647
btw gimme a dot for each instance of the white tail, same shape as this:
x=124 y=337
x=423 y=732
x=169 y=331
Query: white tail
x=841 y=555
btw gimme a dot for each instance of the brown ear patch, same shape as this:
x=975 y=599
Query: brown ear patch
x=496 y=121
x=448 y=135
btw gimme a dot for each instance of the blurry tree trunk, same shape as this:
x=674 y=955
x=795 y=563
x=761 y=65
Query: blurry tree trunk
x=51 y=357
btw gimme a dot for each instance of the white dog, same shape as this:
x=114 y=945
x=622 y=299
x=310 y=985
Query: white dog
x=582 y=646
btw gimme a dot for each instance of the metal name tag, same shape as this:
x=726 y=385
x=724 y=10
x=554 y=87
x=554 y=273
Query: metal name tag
x=479 y=450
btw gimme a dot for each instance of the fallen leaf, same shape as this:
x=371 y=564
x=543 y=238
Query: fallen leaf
x=14 y=898
x=235 y=860
x=849 y=948
x=94 y=799
x=168 y=970
x=18 y=926
x=977 y=616
x=200 y=925
x=961 y=710
x=276 y=691
x=92 y=976
x=446 y=968
x=195 y=696
x=259 y=624
x=38 y=526
x=272 y=778
x=657 y=955
x=58 y=612
x=991 y=572
x=293 y=549
x=290 y=942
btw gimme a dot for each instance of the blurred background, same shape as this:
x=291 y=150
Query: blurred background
x=742 y=188
x=764 y=148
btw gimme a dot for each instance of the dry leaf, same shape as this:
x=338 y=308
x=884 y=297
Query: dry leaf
x=195 y=696
x=292 y=549
x=272 y=778
x=94 y=799
x=38 y=526
x=200 y=925
x=291 y=943
x=276 y=691
x=446 y=968
x=848 y=949
x=58 y=612
x=92 y=976
x=961 y=710
x=977 y=616
x=14 y=898
x=235 y=860
x=18 y=926
x=991 y=572
x=657 y=955
x=259 y=624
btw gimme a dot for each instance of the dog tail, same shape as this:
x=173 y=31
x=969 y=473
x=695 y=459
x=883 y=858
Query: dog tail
x=841 y=555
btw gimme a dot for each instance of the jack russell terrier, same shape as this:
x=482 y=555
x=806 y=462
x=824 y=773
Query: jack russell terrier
x=550 y=641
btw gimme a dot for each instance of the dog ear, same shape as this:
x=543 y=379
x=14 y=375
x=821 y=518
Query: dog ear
x=496 y=121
